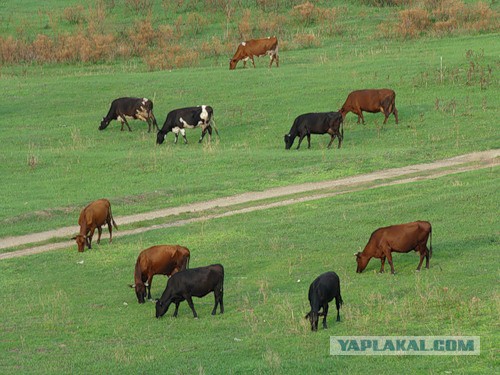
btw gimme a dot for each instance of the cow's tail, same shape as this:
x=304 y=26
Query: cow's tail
x=342 y=126
x=111 y=218
x=430 y=243
x=212 y=123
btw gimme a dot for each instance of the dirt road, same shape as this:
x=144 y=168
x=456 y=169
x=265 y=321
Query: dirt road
x=285 y=195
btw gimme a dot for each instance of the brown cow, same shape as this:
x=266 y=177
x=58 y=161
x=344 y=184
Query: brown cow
x=95 y=215
x=256 y=47
x=157 y=260
x=400 y=238
x=372 y=101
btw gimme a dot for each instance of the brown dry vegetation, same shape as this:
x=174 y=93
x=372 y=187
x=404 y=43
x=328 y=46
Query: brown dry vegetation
x=159 y=44
x=438 y=18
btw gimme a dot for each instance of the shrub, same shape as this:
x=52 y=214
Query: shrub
x=305 y=13
x=74 y=15
x=306 y=40
x=413 y=22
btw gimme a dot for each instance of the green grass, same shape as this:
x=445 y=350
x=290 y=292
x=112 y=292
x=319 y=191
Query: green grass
x=62 y=316
x=53 y=114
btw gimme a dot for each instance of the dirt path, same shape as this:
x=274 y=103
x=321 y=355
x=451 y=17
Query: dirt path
x=316 y=190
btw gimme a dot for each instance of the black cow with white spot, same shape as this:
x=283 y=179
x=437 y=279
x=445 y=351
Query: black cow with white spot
x=135 y=108
x=179 y=120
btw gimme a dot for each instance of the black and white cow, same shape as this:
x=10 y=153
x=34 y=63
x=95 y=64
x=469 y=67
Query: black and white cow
x=191 y=117
x=135 y=108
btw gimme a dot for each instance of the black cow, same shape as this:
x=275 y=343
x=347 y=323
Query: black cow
x=136 y=108
x=315 y=123
x=193 y=282
x=323 y=290
x=191 y=117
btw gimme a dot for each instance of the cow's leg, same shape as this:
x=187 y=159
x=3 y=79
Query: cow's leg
x=395 y=113
x=183 y=132
x=300 y=140
x=339 y=137
x=382 y=260
x=337 y=304
x=277 y=60
x=253 y=62
x=388 y=254
x=216 y=297
x=177 y=303
x=89 y=238
x=424 y=252
x=308 y=140
x=190 y=303
x=325 y=313
x=126 y=123
x=332 y=137
x=99 y=232
x=150 y=281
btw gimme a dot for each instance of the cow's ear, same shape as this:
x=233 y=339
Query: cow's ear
x=146 y=284
x=307 y=315
x=73 y=238
x=132 y=286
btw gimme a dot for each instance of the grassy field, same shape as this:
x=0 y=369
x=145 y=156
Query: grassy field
x=65 y=312
x=68 y=312
x=56 y=160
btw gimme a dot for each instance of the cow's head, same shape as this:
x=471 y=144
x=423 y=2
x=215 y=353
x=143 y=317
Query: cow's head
x=362 y=262
x=160 y=137
x=288 y=141
x=81 y=241
x=232 y=64
x=161 y=308
x=104 y=124
x=313 y=319
x=343 y=112
x=140 y=291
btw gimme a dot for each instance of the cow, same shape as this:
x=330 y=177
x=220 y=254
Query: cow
x=400 y=238
x=323 y=289
x=136 y=108
x=93 y=216
x=315 y=123
x=256 y=47
x=373 y=101
x=157 y=260
x=193 y=282
x=191 y=117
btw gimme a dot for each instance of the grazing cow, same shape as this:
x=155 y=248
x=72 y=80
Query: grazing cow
x=95 y=215
x=191 y=117
x=372 y=101
x=315 y=123
x=400 y=238
x=256 y=47
x=136 y=108
x=193 y=282
x=157 y=260
x=323 y=290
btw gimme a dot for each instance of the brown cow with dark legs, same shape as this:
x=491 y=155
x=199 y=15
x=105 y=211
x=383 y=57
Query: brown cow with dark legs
x=256 y=47
x=400 y=238
x=373 y=101
x=95 y=215
x=157 y=260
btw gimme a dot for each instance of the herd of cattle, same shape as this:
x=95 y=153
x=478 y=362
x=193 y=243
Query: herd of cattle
x=185 y=283
x=178 y=120
x=173 y=260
